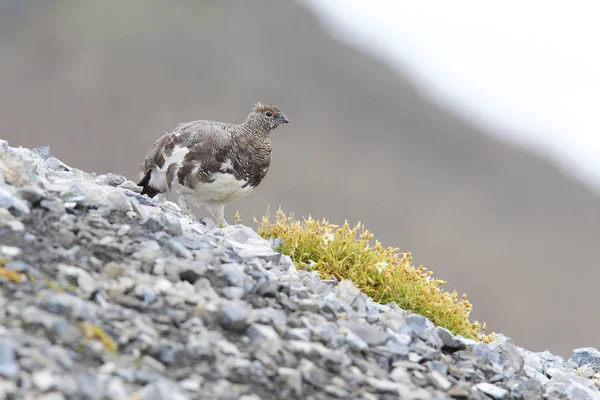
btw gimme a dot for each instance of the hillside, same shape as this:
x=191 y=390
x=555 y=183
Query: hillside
x=104 y=294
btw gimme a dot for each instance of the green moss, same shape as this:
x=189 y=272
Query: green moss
x=385 y=274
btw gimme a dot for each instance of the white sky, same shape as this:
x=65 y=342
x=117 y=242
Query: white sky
x=527 y=71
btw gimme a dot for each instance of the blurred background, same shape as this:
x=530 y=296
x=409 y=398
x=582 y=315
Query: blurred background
x=464 y=134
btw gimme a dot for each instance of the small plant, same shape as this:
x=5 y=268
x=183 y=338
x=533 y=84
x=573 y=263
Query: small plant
x=95 y=332
x=14 y=276
x=385 y=274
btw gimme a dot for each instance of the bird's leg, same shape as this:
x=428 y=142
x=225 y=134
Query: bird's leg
x=218 y=214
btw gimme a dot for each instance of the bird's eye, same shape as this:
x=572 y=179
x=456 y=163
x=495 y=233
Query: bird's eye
x=269 y=114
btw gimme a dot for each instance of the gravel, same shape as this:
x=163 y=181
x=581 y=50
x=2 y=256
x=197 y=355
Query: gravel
x=107 y=295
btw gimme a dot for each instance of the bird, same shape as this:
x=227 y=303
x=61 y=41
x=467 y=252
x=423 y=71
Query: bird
x=209 y=163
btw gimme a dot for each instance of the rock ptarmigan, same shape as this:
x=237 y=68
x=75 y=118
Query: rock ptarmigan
x=210 y=163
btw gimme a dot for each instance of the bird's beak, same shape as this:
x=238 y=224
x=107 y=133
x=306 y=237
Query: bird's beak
x=284 y=119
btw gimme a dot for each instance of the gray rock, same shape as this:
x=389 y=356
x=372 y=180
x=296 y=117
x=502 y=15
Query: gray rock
x=586 y=356
x=495 y=392
x=8 y=220
x=234 y=318
x=347 y=292
x=371 y=335
x=292 y=378
x=67 y=304
x=161 y=390
x=9 y=201
x=577 y=391
x=57 y=165
x=424 y=329
x=10 y=252
x=265 y=337
x=43 y=152
x=32 y=194
x=79 y=276
x=9 y=368
x=400 y=375
x=110 y=179
x=439 y=380
x=459 y=391
x=450 y=342
x=314 y=375
x=202 y=312
x=44 y=380
x=393 y=321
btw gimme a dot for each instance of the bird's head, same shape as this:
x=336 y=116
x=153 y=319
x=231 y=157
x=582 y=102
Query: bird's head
x=265 y=118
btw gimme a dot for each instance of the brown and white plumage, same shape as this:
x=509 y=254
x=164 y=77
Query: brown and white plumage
x=210 y=163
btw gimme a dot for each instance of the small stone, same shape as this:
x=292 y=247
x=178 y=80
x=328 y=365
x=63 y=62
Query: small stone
x=161 y=389
x=313 y=374
x=250 y=397
x=265 y=337
x=292 y=378
x=67 y=304
x=370 y=334
x=346 y=291
x=9 y=368
x=424 y=329
x=44 y=380
x=401 y=375
x=43 y=152
x=386 y=386
x=492 y=390
x=355 y=342
x=145 y=293
x=32 y=194
x=9 y=201
x=52 y=396
x=10 y=252
x=110 y=179
x=154 y=363
x=55 y=206
x=393 y=321
x=459 y=391
x=123 y=230
x=586 y=356
x=180 y=250
x=57 y=165
x=439 y=381
x=8 y=220
x=8 y=388
x=450 y=342
x=577 y=391
x=192 y=384
x=115 y=389
x=82 y=278
x=336 y=392
x=234 y=318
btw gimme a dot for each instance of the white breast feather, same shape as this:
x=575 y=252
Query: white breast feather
x=223 y=188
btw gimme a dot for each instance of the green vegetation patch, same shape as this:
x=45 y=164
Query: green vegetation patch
x=385 y=274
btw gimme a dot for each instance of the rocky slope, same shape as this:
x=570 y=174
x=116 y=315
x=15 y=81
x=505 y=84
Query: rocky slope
x=106 y=295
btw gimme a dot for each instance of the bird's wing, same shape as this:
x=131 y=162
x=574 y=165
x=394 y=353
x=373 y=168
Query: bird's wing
x=186 y=135
x=209 y=154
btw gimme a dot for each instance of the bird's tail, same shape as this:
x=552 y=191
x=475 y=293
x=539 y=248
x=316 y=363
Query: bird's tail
x=145 y=184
